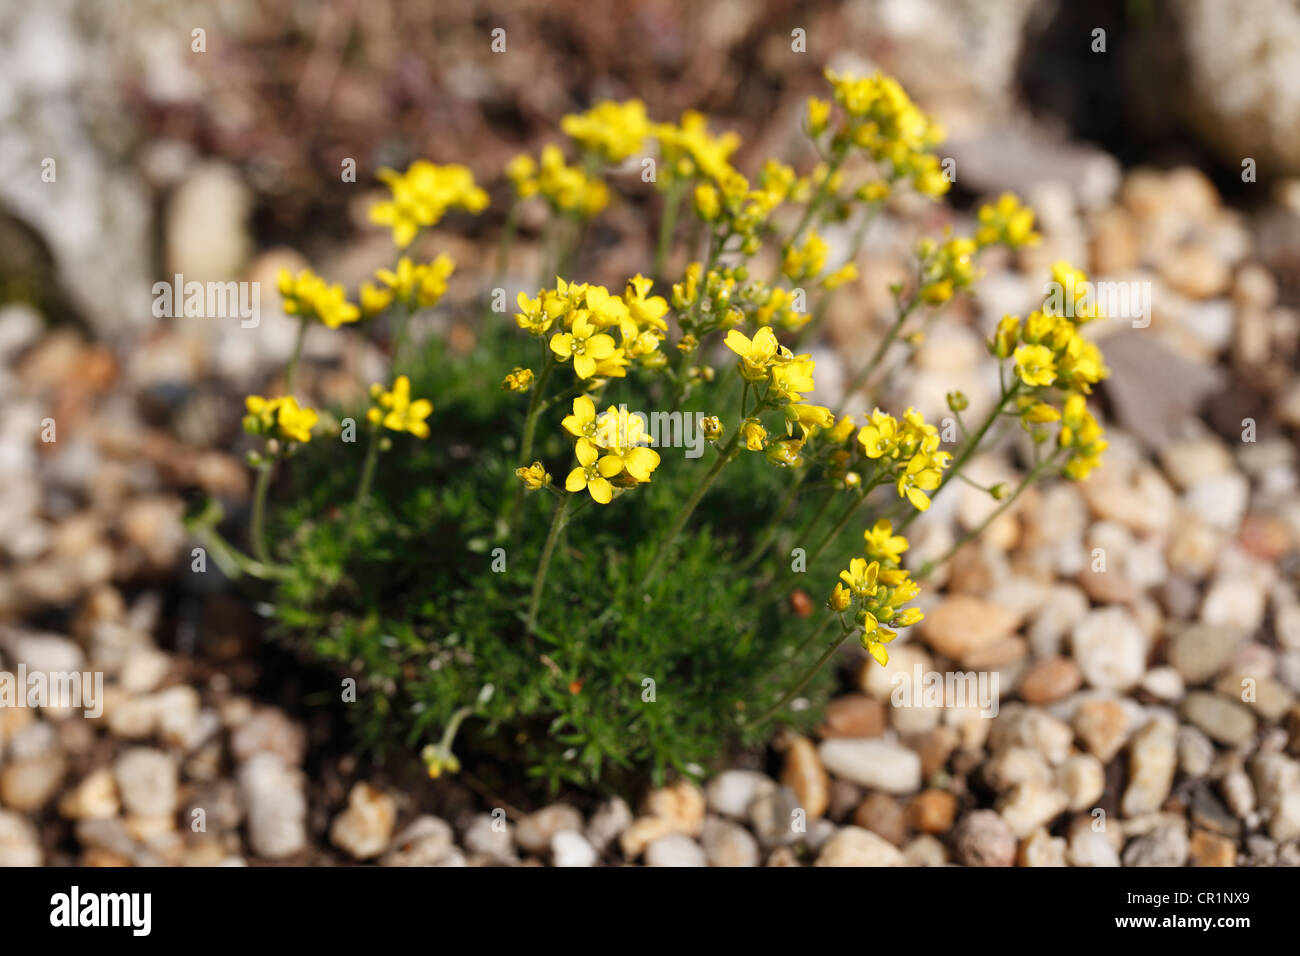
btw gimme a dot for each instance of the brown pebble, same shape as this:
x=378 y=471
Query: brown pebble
x=853 y=715
x=881 y=814
x=1211 y=849
x=932 y=811
x=1050 y=679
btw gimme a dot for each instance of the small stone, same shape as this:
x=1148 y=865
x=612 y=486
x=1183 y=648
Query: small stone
x=1064 y=608
x=1029 y=806
x=1238 y=793
x=854 y=846
x=925 y=850
x=777 y=818
x=19 y=845
x=1209 y=813
x=94 y=798
x=881 y=814
x=1223 y=720
x=276 y=807
x=28 y=784
x=365 y=828
x=640 y=834
x=269 y=730
x=143 y=671
x=610 y=819
x=1199 y=652
x=675 y=849
x=1166 y=845
x=427 y=841
x=1195 y=752
x=963 y=623
x=1083 y=778
x=853 y=715
x=932 y=811
x=1110 y=649
x=1042 y=849
x=728 y=844
x=1102 y=726
x=681 y=804
x=982 y=838
x=571 y=848
x=534 y=832
x=803 y=773
x=731 y=792
x=1050 y=680
x=147 y=781
x=874 y=764
x=491 y=835
x=1013 y=765
x=1211 y=849
x=1152 y=761
x=1088 y=847
x=935 y=747
x=1164 y=683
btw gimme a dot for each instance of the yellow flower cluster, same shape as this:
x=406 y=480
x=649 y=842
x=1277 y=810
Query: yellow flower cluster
x=587 y=314
x=946 y=268
x=281 y=418
x=422 y=195
x=612 y=131
x=911 y=446
x=519 y=380
x=611 y=450
x=395 y=410
x=688 y=149
x=417 y=286
x=1006 y=222
x=881 y=119
x=310 y=296
x=879 y=588
x=568 y=189
x=1050 y=352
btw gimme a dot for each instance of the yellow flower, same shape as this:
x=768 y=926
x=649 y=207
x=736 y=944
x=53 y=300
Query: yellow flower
x=707 y=204
x=920 y=475
x=844 y=274
x=1035 y=365
x=790 y=377
x=861 y=576
x=754 y=434
x=809 y=418
x=819 y=115
x=582 y=423
x=520 y=380
x=840 y=598
x=534 y=476
x=374 y=299
x=756 y=354
x=613 y=131
x=882 y=544
x=538 y=315
x=307 y=294
x=584 y=345
x=874 y=637
x=279 y=418
x=622 y=435
x=712 y=427
x=587 y=475
x=522 y=171
x=421 y=196
x=395 y=410
x=1006 y=221
x=880 y=436
x=647 y=313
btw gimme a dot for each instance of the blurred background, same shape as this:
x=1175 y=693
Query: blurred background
x=1157 y=140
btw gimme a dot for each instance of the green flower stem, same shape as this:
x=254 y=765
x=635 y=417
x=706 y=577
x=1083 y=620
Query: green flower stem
x=508 y=232
x=667 y=226
x=1030 y=478
x=967 y=450
x=291 y=370
x=232 y=561
x=834 y=533
x=808 y=675
x=837 y=160
x=539 y=582
x=879 y=354
x=683 y=515
x=363 y=486
x=534 y=406
x=819 y=312
x=264 y=472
